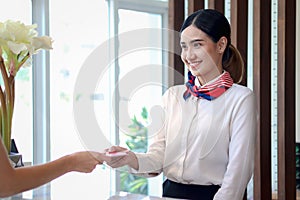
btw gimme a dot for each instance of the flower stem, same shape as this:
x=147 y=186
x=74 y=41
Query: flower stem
x=5 y=99
x=23 y=61
x=5 y=80
x=4 y=133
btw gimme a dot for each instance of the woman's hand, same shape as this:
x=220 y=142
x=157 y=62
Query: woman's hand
x=129 y=158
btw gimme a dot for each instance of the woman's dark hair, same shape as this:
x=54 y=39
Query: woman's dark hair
x=216 y=25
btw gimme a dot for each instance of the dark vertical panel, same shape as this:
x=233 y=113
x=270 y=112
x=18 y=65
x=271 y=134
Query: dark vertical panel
x=218 y=5
x=239 y=29
x=262 y=89
x=176 y=18
x=286 y=99
x=194 y=5
x=239 y=34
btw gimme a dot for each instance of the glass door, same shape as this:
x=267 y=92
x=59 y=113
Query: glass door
x=140 y=80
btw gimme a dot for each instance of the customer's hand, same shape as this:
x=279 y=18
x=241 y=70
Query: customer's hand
x=129 y=158
x=85 y=161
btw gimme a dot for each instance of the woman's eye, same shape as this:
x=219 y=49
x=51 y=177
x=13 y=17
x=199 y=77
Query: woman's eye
x=183 y=47
x=196 y=45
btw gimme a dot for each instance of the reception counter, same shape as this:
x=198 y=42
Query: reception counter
x=127 y=196
x=43 y=194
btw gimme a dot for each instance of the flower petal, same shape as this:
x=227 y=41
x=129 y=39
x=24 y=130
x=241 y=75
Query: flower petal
x=43 y=42
x=16 y=48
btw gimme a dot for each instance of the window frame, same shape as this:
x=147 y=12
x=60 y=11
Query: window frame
x=41 y=91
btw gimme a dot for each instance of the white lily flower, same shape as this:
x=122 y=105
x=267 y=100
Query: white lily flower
x=18 y=42
x=17 y=31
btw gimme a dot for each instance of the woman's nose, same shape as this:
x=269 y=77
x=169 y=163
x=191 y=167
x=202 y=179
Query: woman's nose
x=190 y=54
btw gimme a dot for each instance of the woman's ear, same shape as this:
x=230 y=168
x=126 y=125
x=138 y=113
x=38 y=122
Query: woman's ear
x=221 y=44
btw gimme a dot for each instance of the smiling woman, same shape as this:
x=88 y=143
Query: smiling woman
x=211 y=118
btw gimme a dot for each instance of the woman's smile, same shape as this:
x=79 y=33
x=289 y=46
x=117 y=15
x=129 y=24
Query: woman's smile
x=194 y=65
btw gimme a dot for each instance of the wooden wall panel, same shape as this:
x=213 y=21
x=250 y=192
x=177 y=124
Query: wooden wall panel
x=286 y=99
x=262 y=89
x=176 y=18
x=194 y=5
x=239 y=34
x=239 y=30
x=218 y=5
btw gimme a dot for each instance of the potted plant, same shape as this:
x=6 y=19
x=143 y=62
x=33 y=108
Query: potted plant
x=18 y=43
x=138 y=142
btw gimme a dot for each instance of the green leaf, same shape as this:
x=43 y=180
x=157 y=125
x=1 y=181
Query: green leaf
x=144 y=113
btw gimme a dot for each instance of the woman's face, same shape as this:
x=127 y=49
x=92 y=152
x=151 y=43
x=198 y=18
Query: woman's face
x=200 y=54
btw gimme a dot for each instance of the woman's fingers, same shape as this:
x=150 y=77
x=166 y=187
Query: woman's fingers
x=117 y=161
x=116 y=149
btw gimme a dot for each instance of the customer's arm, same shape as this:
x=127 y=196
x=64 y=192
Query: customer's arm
x=17 y=180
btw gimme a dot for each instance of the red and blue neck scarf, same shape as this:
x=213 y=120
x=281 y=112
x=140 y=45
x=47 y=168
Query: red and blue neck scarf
x=210 y=91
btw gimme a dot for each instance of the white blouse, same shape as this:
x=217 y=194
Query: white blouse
x=204 y=142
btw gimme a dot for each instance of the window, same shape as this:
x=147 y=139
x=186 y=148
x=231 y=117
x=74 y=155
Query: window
x=78 y=31
x=77 y=28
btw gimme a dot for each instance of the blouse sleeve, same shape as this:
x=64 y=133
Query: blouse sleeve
x=241 y=151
